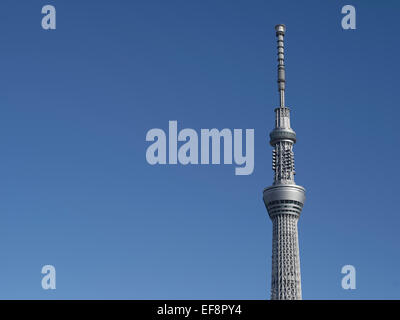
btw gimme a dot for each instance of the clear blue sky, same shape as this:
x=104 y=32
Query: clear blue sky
x=76 y=191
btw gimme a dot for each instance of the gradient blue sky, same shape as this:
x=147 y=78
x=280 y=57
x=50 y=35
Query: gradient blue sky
x=76 y=190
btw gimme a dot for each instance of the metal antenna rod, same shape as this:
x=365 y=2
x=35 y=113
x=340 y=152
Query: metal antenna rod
x=280 y=32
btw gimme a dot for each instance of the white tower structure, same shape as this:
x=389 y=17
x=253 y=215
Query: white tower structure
x=284 y=199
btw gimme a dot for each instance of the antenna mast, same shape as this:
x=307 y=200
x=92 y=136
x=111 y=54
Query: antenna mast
x=280 y=32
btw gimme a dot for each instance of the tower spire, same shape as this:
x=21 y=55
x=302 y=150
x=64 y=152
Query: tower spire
x=280 y=33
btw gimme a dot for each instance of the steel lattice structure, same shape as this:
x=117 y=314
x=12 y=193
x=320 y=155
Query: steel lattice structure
x=284 y=199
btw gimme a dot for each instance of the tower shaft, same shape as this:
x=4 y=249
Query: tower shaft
x=284 y=199
x=286 y=280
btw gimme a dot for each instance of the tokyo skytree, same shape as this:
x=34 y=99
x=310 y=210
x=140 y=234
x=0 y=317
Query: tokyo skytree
x=284 y=199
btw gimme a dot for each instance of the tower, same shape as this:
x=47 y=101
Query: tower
x=284 y=199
